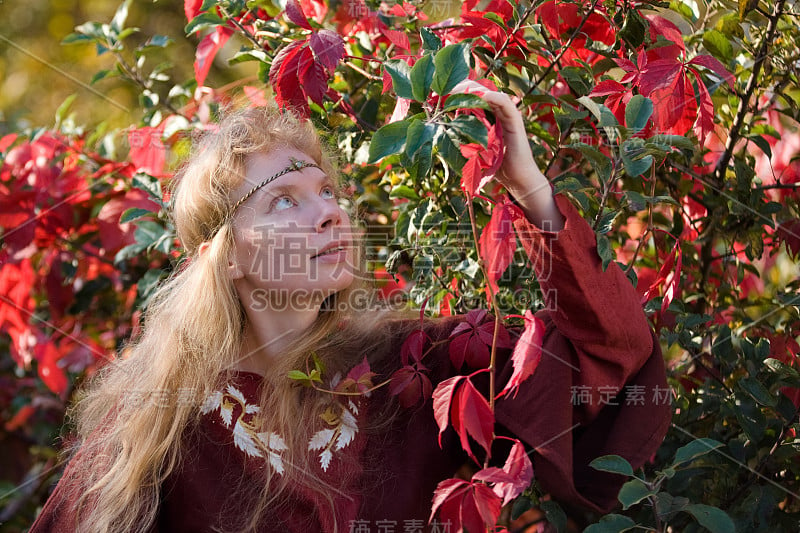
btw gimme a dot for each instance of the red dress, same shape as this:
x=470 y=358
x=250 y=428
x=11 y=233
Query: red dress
x=599 y=389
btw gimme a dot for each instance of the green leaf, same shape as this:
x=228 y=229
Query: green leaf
x=403 y=191
x=148 y=232
x=422 y=77
x=390 y=139
x=134 y=213
x=419 y=133
x=600 y=162
x=118 y=22
x=201 y=22
x=606 y=254
x=521 y=504
x=606 y=221
x=614 y=464
x=632 y=492
x=678 y=141
x=636 y=201
x=634 y=167
x=470 y=127
x=695 y=449
x=76 y=37
x=64 y=107
x=714 y=519
x=762 y=143
x=298 y=375
x=452 y=67
x=464 y=101
x=638 y=112
x=757 y=391
x=150 y=185
x=611 y=523
x=430 y=41
x=401 y=80
x=668 y=505
x=633 y=29
x=719 y=45
x=555 y=514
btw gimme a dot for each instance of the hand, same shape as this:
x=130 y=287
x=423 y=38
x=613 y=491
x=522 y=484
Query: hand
x=518 y=172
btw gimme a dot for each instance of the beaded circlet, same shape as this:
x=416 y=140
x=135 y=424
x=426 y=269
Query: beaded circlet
x=295 y=164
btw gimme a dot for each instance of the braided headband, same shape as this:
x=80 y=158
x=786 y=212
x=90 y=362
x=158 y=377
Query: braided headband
x=296 y=164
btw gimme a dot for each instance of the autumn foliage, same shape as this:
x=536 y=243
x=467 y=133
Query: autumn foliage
x=673 y=127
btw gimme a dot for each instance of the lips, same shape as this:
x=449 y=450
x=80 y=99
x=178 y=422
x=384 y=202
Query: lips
x=332 y=249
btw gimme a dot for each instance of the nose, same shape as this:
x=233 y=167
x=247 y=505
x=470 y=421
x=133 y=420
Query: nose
x=329 y=215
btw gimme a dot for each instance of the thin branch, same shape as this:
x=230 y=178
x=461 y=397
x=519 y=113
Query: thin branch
x=744 y=103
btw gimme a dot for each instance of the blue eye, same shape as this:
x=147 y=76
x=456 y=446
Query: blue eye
x=283 y=202
x=328 y=193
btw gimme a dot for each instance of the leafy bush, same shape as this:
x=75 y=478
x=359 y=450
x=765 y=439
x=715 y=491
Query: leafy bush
x=672 y=126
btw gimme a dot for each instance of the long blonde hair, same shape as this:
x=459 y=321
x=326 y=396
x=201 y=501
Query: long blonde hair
x=191 y=338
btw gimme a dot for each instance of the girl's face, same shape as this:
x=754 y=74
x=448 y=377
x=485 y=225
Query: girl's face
x=293 y=242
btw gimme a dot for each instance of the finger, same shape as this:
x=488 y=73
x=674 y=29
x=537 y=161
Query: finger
x=469 y=87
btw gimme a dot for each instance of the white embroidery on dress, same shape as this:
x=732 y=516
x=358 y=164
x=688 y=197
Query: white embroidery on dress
x=341 y=430
x=245 y=435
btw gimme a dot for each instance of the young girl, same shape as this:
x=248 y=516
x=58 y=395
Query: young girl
x=199 y=428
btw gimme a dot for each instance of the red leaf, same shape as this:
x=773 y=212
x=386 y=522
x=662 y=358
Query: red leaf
x=191 y=8
x=255 y=95
x=442 y=400
x=59 y=295
x=789 y=232
x=712 y=63
x=672 y=280
x=410 y=385
x=317 y=9
x=295 y=14
x=328 y=47
x=705 y=119
x=661 y=26
x=52 y=375
x=606 y=87
x=284 y=78
x=527 y=353
x=466 y=505
x=472 y=416
x=659 y=74
x=114 y=235
x=472 y=179
x=362 y=376
x=312 y=76
x=515 y=476
x=413 y=346
x=147 y=151
x=398 y=38
x=498 y=241
x=6 y=141
x=207 y=50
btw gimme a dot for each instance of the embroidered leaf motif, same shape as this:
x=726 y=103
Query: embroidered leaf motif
x=226 y=412
x=325 y=459
x=347 y=431
x=243 y=439
x=320 y=439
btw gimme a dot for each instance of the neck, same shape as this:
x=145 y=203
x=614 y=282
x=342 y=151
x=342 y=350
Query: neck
x=269 y=332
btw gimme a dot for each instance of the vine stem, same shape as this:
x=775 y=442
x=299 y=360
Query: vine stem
x=649 y=221
x=563 y=51
x=744 y=102
x=495 y=308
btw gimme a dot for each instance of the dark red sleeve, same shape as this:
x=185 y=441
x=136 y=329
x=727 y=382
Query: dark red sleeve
x=600 y=387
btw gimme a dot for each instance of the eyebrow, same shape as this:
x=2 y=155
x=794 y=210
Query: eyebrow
x=278 y=189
